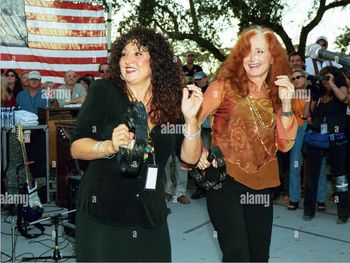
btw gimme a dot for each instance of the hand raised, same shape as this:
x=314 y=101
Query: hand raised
x=192 y=98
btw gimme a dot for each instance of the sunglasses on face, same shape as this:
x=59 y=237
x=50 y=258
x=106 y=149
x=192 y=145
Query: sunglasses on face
x=190 y=55
x=104 y=71
x=10 y=75
x=297 y=77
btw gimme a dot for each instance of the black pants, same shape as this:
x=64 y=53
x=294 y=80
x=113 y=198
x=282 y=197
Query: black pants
x=244 y=230
x=348 y=145
x=99 y=242
x=336 y=158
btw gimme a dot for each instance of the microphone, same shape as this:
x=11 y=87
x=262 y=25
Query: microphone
x=316 y=51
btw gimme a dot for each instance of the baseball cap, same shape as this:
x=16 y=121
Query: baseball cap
x=200 y=75
x=34 y=75
x=321 y=37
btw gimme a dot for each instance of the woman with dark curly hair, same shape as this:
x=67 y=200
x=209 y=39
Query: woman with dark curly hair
x=250 y=102
x=12 y=89
x=328 y=113
x=122 y=217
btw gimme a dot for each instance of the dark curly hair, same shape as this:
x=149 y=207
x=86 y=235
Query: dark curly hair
x=18 y=86
x=167 y=78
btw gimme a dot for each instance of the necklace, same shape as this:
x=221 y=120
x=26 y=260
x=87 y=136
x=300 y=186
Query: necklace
x=149 y=148
x=254 y=112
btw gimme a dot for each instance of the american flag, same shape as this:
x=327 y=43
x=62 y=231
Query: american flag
x=52 y=37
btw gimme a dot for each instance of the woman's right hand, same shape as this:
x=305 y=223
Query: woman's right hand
x=121 y=137
x=203 y=161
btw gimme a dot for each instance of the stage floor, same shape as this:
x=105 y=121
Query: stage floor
x=192 y=239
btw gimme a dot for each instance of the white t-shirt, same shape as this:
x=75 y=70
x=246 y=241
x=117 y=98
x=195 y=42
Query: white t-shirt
x=63 y=94
x=309 y=65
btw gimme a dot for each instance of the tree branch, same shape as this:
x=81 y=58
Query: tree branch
x=314 y=22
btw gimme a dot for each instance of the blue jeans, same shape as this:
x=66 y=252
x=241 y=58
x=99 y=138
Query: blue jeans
x=296 y=162
x=322 y=183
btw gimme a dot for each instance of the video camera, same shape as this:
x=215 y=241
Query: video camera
x=317 y=78
x=316 y=88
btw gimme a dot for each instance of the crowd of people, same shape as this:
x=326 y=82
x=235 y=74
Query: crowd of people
x=278 y=130
x=26 y=91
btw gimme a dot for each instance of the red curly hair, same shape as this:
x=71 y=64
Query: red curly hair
x=232 y=70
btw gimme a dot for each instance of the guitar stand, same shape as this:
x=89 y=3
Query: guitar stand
x=56 y=254
x=12 y=258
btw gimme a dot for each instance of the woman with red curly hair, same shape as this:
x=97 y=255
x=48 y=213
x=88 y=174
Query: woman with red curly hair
x=250 y=105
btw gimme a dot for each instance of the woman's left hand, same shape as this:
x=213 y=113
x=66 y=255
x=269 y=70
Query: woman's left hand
x=285 y=89
x=191 y=103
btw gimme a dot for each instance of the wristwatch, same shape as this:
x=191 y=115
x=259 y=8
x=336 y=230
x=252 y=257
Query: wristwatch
x=287 y=113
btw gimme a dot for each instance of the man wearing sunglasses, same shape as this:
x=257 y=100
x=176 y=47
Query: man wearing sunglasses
x=70 y=92
x=103 y=69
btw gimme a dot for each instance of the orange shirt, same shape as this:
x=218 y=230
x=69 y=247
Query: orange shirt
x=249 y=149
x=298 y=107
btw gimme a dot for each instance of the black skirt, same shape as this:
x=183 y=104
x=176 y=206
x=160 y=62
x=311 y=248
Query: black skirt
x=100 y=242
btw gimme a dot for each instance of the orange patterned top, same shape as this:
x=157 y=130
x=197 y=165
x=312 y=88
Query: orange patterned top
x=298 y=106
x=249 y=144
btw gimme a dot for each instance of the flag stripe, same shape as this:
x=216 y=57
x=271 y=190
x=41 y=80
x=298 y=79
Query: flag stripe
x=53 y=53
x=47 y=66
x=66 y=39
x=63 y=5
x=61 y=32
x=64 y=12
x=67 y=46
x=72 y=26
x=62 y=18
x=66 y=60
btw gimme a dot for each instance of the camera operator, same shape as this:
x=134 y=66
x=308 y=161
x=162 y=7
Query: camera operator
x=326 y=137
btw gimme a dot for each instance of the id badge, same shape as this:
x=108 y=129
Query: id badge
x=348 y=110
x=324 y=128
x=151 y=178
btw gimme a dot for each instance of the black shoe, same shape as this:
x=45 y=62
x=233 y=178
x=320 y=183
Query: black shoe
x=308 y=217
x=200 y=193
x=342 y=220
x=293 y=205
x=321 y=207
x=168 y=197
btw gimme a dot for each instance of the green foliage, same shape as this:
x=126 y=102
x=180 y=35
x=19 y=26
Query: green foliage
x=343 y=41
x=257 y=12
x=199 y=25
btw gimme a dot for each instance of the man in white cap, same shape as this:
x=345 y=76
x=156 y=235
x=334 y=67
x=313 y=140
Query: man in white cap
x=313 y=66
x=33 y=98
